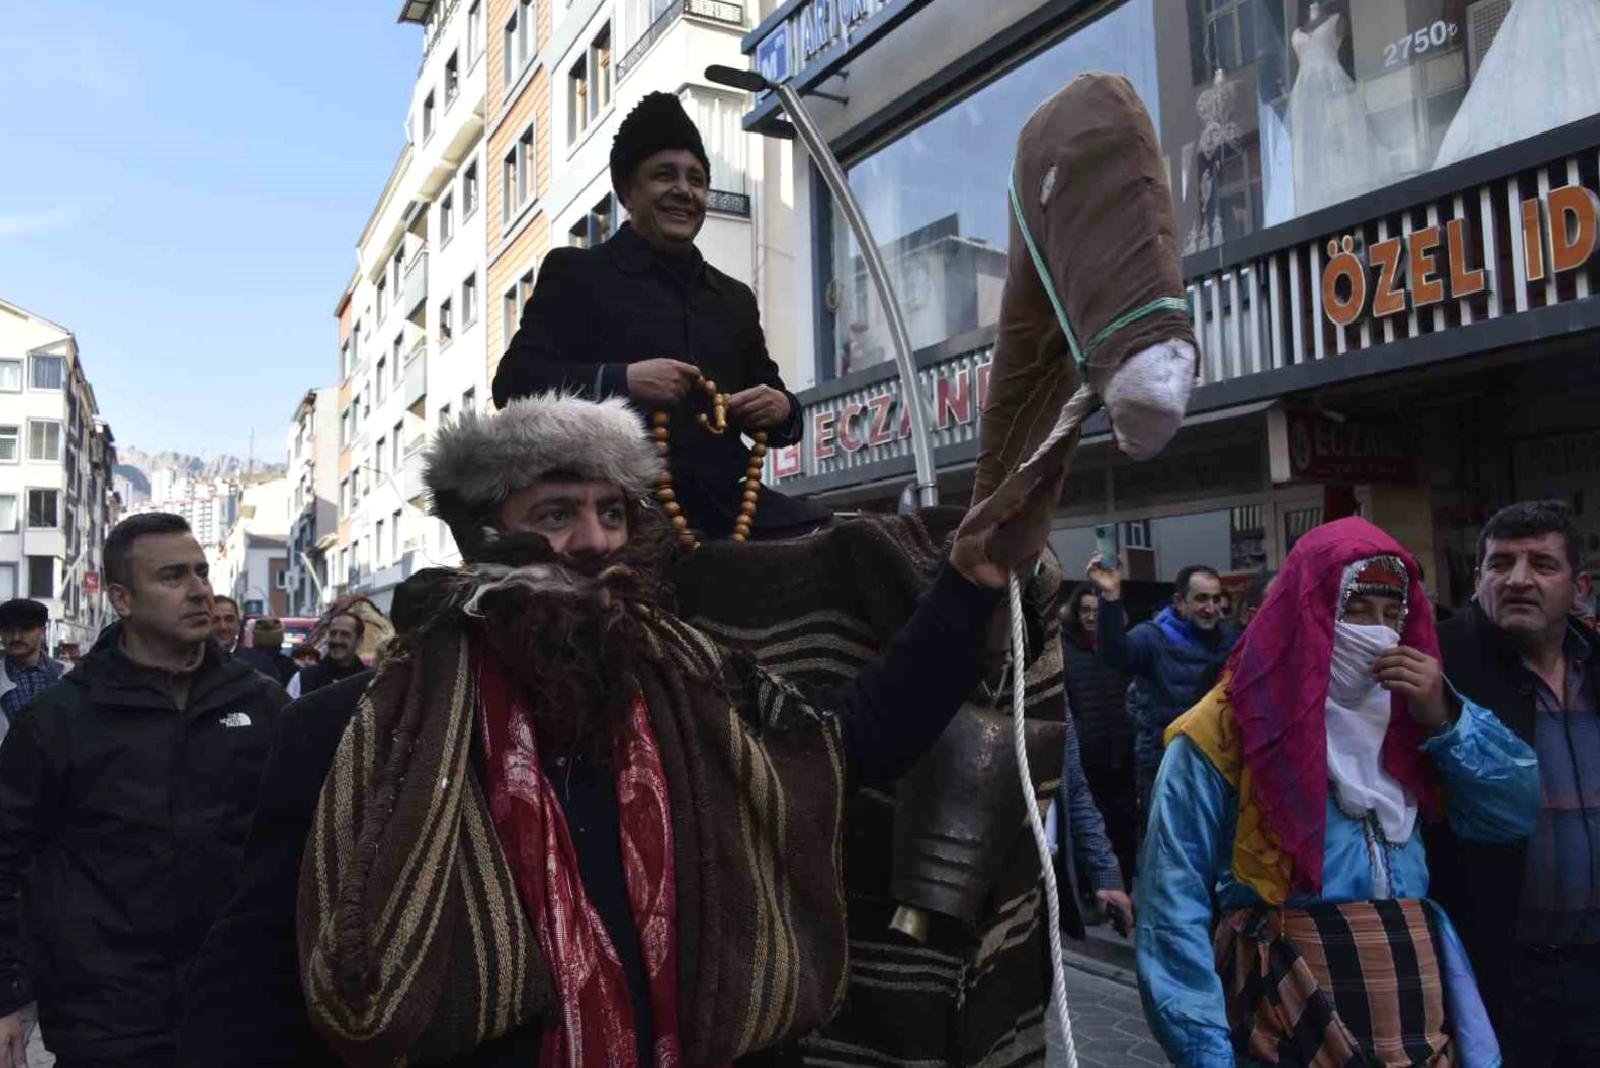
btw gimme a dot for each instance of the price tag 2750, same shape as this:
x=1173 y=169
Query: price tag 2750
x=1439 y=36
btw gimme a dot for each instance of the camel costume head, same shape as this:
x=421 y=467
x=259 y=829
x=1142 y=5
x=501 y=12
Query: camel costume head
x=1094 y=289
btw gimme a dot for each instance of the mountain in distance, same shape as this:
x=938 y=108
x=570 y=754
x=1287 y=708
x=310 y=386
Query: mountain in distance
x=137 y=466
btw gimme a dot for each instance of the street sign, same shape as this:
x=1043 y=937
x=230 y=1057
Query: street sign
x=772 y=55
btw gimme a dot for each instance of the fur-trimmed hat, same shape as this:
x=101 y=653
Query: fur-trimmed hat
x=655 y=125
x=476 y=462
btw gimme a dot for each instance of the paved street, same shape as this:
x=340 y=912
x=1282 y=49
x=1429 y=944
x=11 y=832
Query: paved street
x=1107 y=1025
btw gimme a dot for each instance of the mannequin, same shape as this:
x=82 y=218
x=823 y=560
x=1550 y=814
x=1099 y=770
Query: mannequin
x=1332 y=139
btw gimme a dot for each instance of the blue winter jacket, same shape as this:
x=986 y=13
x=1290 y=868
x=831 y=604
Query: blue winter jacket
x=1491 y=780
x=1178 y=659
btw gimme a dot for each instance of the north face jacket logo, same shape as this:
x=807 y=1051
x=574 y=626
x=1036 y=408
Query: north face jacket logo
x=236 y=719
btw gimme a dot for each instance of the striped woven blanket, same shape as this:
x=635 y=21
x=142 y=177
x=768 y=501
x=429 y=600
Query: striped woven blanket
x=814 y=611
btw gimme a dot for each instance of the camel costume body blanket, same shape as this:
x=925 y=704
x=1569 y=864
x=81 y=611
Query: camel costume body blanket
x=814 y=611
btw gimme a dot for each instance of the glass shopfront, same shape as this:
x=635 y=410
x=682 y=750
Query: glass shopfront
x=1267 y=110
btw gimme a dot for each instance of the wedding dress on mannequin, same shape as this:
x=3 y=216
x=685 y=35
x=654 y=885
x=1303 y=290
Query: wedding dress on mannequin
x=1541 y=71
x=1334 y=157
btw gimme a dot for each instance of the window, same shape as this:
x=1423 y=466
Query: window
x=345 y=503
x=447 y=211
x=427 y=117
x=394 y=368
x=469 y=190
x=518 y=182
x=345 y=366
x=383 y=297
x=444 y=415
x=589 y=84
x=394 y=532
x=469 y=301
x=452 y=79
x=44 y=439
x=399 y=434
x=8 y=512
x=594 y=227
x=49 y=372
x=10 y=376
x=521 y=30
x=474 y=32
x=515 y=299
x=8 y=581
x=399 y=263
x=380 y=454
x=381 y=378
x=447 y=325
x=44 y=509
x=720 y=117
x=469 y=400
x=41 y=576
x=9 y=452
x=378 y=544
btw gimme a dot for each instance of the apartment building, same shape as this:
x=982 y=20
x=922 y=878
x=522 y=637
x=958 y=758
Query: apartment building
x=251 y=564
x=562 y=75
x=210 y=505
x=56 y=460
x=313 y=477
x=411 y=319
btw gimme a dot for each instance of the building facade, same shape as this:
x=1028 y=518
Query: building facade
x=209 y=505
x=251 y=563
x=1394 y=287
x=313 y=517
x=56 y=462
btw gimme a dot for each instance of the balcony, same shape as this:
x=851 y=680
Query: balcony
x=416 y=374
x=725 y=12
x=411 y=484
x=413 y=295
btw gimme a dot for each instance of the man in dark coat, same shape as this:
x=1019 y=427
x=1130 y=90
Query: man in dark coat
x=26 y=671
x=1097 y=698
x=571 y=472
x=1179 y=654
x=644 y=314
x=125 y=793
x=265 y=651
x=1529 y=911
x=345 y=632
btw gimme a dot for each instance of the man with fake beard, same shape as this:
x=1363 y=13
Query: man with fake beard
x=562 y=826
x=1290 y=798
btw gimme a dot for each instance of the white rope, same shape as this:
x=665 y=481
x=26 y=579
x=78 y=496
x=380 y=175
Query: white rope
x=1073 y=413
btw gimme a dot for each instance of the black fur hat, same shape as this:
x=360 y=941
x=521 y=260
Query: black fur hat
x=655 y=125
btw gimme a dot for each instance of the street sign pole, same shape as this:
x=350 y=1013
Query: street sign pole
x=926 y=486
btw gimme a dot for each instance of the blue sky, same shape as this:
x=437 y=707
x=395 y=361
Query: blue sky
x=182 y=186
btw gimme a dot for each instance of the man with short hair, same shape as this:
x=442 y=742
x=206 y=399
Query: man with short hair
x=1529 y=910
x=643 y=830
x=1178 y=654
x=127 y=790
x=225 y=622
x=345 y=632
x=27 y=671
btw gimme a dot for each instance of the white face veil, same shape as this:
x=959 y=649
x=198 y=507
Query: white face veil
x=1358 y=708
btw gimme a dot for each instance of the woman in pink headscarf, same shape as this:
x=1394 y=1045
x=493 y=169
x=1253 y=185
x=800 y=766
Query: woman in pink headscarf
x=1290 y=798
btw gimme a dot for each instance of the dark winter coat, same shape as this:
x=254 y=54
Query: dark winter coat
x=131 y=816
x=273 y=665
x=1480 y=885
x=594 y=311
x=1097 y=696
x=326 y=672
x=1178 y=672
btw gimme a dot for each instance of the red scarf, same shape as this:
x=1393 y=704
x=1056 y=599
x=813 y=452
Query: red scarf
x=596 y=1029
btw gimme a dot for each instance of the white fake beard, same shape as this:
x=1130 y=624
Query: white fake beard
x=1358 y=711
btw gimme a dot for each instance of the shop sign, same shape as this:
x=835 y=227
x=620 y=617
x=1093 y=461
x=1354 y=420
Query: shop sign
x=865 y=429
x=91 y=583
x=811 y=29
x=1560 y=233
x=1316 y=447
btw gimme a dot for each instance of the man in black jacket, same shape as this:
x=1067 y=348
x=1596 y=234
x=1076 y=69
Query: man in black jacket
x=643 y=314
x=1529 y=912
x=125 y=793
x=571 y=471
x=265 y=651
x=1097 y=697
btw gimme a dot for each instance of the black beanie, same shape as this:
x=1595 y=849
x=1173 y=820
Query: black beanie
x=655 y=125
x=21 y=613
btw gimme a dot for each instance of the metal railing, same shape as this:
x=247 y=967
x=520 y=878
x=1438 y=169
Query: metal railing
x=724 y=11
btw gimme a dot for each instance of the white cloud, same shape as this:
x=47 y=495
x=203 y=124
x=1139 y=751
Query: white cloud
x=27 y=222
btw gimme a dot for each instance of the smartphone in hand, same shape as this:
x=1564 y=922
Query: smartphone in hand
x=1105 y=546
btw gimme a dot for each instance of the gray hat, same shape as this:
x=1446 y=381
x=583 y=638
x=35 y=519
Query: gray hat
x=473 y=465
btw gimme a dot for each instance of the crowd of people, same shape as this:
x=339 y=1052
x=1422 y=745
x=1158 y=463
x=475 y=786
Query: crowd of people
x=553 y=821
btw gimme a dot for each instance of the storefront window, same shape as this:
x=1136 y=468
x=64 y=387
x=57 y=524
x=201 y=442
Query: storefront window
x=1267 y=110
x=935 y=198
